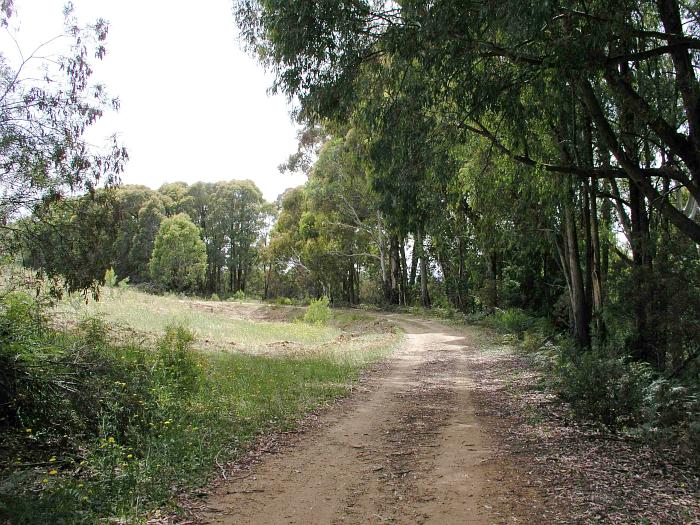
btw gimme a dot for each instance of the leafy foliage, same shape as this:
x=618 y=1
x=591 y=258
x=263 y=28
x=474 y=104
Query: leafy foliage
x=43 y=121
x=606 y=389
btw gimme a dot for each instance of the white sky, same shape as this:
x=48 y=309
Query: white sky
x=194 y=106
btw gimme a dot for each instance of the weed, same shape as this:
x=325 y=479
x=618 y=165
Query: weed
x=318 y=312
x=110 y=278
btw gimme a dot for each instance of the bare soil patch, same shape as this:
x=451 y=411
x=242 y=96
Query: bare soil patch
x=248 y=311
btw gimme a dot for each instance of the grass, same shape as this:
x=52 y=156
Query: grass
x=163 y=414
x=209 y=321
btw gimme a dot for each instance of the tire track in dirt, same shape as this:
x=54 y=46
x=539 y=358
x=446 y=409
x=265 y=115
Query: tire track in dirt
x=409 y=451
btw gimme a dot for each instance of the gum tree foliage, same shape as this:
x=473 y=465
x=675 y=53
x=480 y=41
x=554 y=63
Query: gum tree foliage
x=81 y=236
x=501 y=131
x=328 y=238
x=47 y=103
x=179 y=256
x=123 y=223
x=510 y=61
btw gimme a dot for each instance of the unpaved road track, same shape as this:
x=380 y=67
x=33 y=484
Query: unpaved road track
x=408 y=450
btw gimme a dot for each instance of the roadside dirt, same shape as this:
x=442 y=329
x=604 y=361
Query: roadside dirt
x=248 y=311
x=408 y=449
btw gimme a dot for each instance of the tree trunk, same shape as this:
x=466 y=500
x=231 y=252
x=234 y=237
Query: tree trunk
x=394 y=297
x=493 y=275
x=351 y=284
x=414 y=264
x=267 y=271
x=588 y=243
x=642 y=275
x=382 y=257
x=460 y=282
x=579 y=308
x=424 y=297
x=404 y=271
x=597 y=273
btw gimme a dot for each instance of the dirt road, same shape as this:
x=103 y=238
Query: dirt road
x=409 y=449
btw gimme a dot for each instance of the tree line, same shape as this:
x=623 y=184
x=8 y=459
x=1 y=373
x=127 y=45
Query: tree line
x=200 y=238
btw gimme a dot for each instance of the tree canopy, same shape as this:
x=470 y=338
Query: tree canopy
x=179 y=256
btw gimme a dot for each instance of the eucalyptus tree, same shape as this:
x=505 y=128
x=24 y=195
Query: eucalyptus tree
x=505 y=60
x=148 y=220
x=237 y=218
x=44 y=154
x=601 y=97
x=177 y=198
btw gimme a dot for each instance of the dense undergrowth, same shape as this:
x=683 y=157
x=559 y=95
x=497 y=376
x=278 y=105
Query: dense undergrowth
x=93 y=430
x=607 y=387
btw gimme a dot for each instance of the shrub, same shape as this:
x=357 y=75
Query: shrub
x=215 y=297
x=673 y=411
x=179 y=367
x=67 y=383
x=110 y=278
x=607 y=389
x=123 y=284
x=318 y=312
x=511 y=321
x=179 y=257
x=239 y=295
x=283 y=301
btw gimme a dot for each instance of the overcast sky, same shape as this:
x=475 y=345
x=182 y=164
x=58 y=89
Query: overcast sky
x=194 y=106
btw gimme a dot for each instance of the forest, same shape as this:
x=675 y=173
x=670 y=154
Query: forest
x=533 y=167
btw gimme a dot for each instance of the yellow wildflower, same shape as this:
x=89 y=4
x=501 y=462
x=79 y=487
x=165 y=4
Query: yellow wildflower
x=53 y=472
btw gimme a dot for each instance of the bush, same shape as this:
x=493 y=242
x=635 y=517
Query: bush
x=239 y=295
x=283 y=301
x=179 y=367
x=318 y=312
x=598 y=387
x=673 y=411
x=511 y=321
x=215 y=297
x=67 y=383
x=110 y=278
